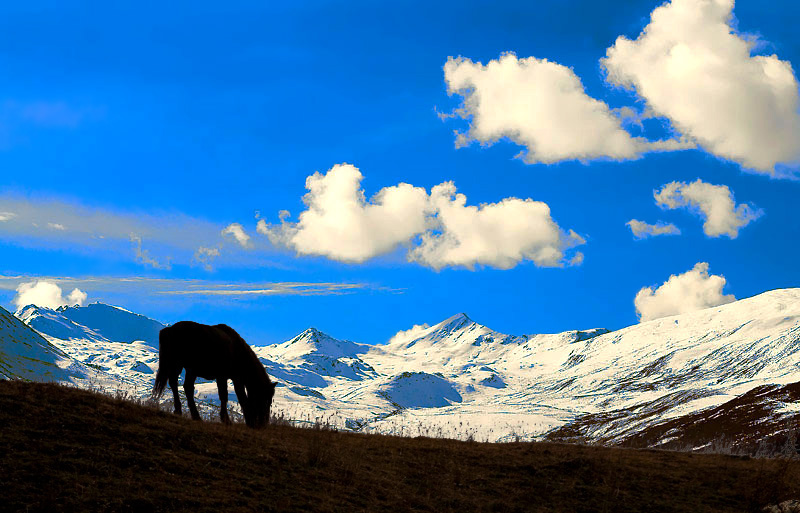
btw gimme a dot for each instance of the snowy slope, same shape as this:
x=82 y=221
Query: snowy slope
x=111 y=339
x=24 y=354
x=461 y=379
x=497 y=387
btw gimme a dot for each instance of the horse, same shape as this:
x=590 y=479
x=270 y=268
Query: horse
x=215 y=353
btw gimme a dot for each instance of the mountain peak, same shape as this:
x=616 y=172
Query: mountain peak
x=313 y=340
x=453 y=323
x=93 y=321
x=310 y=332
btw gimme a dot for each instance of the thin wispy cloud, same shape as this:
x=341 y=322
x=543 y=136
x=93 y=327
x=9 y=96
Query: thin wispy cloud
x=273 y=289
x=643 y=230
x=155 y=240
x=143 y=255
x=205 y=257
x=50 y=287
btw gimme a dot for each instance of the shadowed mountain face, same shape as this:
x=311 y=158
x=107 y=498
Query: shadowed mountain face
x=96 y=320
x=465 y=380
x=112 y=340
x=24 y=354
x=769 y=414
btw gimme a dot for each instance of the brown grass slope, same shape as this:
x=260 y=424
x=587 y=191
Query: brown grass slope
x=63 y=449
x=749 y=423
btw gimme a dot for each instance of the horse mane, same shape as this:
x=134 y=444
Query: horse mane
x=254 y=373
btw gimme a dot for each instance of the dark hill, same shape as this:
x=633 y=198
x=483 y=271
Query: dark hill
x=63 y=449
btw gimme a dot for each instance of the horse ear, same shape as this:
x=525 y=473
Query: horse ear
x=274 y=384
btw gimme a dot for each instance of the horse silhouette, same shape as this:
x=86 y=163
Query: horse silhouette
x=216 y=353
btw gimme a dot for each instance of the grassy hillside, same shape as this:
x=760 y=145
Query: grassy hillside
x=63 y=449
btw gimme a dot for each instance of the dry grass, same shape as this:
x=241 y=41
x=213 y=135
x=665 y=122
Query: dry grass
x=63 y=449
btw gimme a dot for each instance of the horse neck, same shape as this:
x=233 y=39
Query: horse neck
x=253 y=373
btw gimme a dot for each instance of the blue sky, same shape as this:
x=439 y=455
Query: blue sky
x=131 y=137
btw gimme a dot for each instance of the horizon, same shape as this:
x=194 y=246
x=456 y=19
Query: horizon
x=366 y=169
x=416 y=329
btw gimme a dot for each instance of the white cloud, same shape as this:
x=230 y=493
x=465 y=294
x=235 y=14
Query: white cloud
x=682 y=293
x=691 y=67
x=133 y=286
x=541 y=105
x=46 y=294
x=408 y=335
x=642 y=230
x=55 y=223
x=714 y=203
x=143 y=255
x=577 y=259
x=205 y=256
x=238 y=233
x=497 y=234
x=341 y=224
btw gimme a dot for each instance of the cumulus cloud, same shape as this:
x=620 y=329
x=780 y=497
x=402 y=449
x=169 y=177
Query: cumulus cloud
x=691 y=67
x=341 y=224
x=46 y=294
x=642 y=230
x=541 y=105
x=440 y=229
x=238 y=233
x=6 y=216
x=714 y=203
x=497 y=234
x=682 y=293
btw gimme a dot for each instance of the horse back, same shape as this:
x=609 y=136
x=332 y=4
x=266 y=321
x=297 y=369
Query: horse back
x=207 y=351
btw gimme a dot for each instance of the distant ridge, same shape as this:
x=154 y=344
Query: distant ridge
x=588 y=385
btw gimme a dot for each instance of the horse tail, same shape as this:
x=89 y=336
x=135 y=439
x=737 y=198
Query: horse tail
x=164 y=364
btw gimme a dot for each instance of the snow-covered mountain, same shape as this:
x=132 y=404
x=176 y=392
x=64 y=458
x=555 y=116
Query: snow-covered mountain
x=24 y=354
x=111 y=339
x=461 y=379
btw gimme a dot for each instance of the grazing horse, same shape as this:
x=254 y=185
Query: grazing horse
x=213 y=352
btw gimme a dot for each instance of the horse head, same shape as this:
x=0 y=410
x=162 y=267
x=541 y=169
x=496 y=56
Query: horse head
x=262 y=405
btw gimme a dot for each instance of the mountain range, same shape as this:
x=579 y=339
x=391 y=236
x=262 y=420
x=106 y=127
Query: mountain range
x=651 y=384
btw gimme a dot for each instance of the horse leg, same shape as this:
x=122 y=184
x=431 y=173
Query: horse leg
x=222 y=389
x=173 y=384
x=188 y=388
x=241 y=396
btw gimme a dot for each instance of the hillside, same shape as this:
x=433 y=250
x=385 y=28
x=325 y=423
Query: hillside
x=25 y=354
x=63 y=449
x=109 y=338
